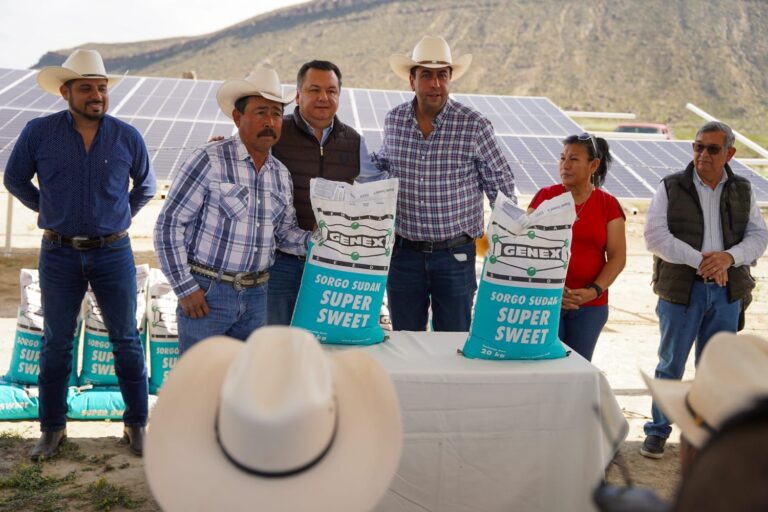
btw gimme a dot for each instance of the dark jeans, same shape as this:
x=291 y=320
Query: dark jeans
x=234 y=313
x=64 y=277
x=283 y=288
x=580 y=328
x=707 y=313
x=444 y=280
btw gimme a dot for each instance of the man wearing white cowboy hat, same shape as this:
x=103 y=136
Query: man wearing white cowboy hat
x=445 y=155
x=730 y=378
x=84 y=161
x=229 y=207
x=276 y=425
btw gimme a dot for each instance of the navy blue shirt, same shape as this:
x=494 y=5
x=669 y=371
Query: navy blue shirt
x=80 y=193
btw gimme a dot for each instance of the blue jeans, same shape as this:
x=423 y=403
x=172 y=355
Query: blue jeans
x=231 y=313
x=64 y=277
x=444 y=280
x=283 y=288
x=707 y=313
x=580 y=328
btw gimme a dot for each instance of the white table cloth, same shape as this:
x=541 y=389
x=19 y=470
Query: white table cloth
x=496 y=435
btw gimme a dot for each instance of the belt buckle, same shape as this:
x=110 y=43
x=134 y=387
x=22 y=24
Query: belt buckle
x=429 y=246
x=77 y=242
x=237 y=281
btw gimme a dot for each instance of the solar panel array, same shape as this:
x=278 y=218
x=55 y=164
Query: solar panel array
x=177 y=115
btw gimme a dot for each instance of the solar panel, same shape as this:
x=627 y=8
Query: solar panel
x=10 y=76
x=177 y=115
x=535 y=164
x=509 y=115
x=651 y=160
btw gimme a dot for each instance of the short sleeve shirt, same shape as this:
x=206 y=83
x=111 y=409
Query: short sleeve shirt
x=590 y=236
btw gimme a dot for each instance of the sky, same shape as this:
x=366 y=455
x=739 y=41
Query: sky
x=29 y=28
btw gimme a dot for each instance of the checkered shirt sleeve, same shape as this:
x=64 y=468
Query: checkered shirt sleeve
x=222 y=213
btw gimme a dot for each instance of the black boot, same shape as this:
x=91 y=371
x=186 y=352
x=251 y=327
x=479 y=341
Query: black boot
x=134 y=436
x=48 y=444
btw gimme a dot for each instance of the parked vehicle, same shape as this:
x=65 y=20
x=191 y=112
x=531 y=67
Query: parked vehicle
x=651 y=128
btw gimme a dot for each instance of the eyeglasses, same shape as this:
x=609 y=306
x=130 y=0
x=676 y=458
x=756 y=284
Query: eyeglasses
x=589 y=136
x=712 y=149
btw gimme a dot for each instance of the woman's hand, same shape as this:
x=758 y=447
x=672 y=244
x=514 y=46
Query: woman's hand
x=572 y=299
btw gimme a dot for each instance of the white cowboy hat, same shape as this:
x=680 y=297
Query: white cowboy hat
x=81 y=64
x=273 y=424
x=732 y=374
x=430 y=52
x=262 y=81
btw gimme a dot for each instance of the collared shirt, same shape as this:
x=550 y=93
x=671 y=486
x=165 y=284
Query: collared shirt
x=81 y=193
x=443 y=177
x=224 y=213
x=368 y=171
x=660 y=241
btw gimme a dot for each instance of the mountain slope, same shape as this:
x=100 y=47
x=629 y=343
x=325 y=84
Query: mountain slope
x=648 y=57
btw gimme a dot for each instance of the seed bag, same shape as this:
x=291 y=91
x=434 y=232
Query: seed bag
x=98 y=403
x=25 y=359
x=18 y=402
x=517 y=311
x=162 y=329
x=345 y=275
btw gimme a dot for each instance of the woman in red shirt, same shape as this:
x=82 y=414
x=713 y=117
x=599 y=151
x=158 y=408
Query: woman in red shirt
x=599 y=246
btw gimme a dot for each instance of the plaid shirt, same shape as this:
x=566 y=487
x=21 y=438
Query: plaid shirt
x=443 y=177
x=222 y=213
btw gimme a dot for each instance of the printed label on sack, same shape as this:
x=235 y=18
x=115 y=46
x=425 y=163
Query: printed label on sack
x=517 y=312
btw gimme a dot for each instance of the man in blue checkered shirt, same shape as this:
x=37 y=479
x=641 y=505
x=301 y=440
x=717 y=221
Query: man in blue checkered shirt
x=445 y=155
x=229 y=207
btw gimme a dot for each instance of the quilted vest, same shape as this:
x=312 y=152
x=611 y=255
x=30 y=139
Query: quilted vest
x=300 y=151
x=674 y=282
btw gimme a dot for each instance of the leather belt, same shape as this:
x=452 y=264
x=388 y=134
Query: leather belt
x=432 y=246
x=83 y=243
x=300 y=258
x=238 y=280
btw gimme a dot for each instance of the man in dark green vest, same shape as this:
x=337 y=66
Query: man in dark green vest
x=314 y=144
x=705 y=230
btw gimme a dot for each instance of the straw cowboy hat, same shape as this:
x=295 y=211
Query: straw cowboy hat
x=262 y=81
x=273 y=424
x=430 y=52
x=732 y=374
x=81 y=64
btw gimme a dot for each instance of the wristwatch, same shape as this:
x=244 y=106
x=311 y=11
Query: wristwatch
x=597 y=288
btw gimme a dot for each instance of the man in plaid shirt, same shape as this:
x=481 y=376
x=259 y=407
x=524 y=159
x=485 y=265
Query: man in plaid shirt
x=229 y=207
x=445 y=155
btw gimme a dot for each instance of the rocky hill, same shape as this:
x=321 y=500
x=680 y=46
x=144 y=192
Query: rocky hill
x=645 y=56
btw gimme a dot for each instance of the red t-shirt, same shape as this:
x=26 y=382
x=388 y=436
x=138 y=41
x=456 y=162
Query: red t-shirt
x=589 y=236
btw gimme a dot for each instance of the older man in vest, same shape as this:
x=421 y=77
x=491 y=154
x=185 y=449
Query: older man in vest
x=705 y=229
x=314 y=144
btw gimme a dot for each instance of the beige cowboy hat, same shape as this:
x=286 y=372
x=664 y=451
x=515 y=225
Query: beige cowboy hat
x=275 y=423
x=262 y=81
x=732 y=374
x=81 y=64
x=430 y=52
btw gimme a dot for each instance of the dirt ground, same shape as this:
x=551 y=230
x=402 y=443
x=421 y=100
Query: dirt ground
x=95 y=472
